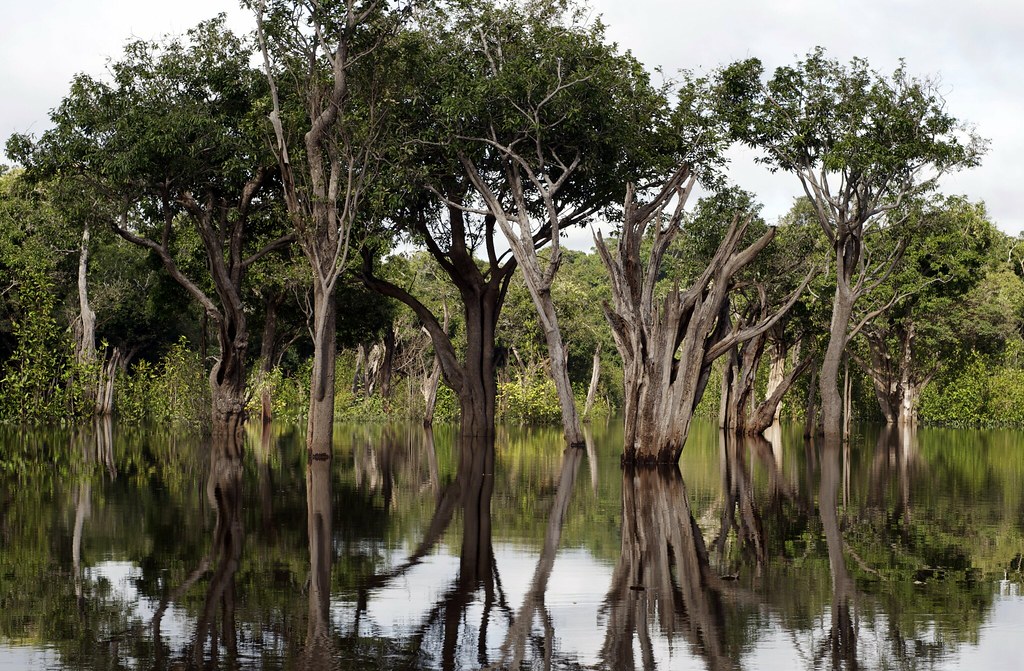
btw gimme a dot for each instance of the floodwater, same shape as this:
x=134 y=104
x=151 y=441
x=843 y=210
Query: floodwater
x=129 y=549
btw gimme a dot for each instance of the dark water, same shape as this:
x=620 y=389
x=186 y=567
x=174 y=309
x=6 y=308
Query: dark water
x=123 y=549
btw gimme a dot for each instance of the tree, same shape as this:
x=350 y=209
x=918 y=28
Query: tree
x=669 y=343
x=909 y=345
x=327 y=75
x=554 y=119
x=757 y=292
x=171 y=141
x=35 y=355
x=862 y=145
x=525 y=122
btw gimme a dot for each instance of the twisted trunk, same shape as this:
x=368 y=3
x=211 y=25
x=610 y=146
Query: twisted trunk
x=668 y=349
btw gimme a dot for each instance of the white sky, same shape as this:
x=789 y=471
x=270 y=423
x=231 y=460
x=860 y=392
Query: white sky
x=976 y=48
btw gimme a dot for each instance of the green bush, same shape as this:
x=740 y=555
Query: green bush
x=175 y=390
x=289 y=394
x=535 y=402
x=1006 y=396
x=979 y=393
x=38 y=383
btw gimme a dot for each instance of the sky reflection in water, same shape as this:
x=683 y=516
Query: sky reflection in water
x=412 y=551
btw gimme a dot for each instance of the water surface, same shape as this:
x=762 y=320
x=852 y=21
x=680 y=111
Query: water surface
x=124 y=548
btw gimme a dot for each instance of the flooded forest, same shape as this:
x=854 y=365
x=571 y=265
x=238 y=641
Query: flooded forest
x=303 y=363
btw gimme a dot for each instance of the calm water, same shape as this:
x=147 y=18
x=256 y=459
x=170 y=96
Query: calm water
x=122 y=549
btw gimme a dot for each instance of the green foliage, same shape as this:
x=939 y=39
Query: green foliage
x=36 y=383
x=535 y=403
x=446 y=407
x=173 y=391
x=289 y=394
x=845 y=118
x=961 y=400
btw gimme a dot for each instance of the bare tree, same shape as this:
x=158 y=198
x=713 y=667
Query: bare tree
x=668 y=349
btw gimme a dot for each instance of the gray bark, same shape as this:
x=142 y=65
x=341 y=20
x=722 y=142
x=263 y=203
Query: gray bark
x=595 y=377
x=669 y=346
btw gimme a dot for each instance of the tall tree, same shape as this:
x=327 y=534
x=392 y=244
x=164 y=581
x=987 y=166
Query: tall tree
x=556 y=120
x=668 y=343
x=173 y=146
x=526 y=122
x=327 y=74
x=862 y=144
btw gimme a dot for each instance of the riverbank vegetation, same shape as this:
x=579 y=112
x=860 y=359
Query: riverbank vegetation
x=198 y=240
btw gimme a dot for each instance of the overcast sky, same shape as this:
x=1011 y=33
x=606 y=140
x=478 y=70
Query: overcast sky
x=975 y=49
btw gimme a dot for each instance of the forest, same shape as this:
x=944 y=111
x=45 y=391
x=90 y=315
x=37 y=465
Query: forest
x=360 y=211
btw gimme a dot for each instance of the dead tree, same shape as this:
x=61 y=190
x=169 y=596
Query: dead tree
x=668 y=345
x=741 y=412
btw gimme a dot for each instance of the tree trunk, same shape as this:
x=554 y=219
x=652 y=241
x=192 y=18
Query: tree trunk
x=482 y=291
x=430 y=384
x=571 y=428
x=359 y=377
x=431 y=380
x=387 y=362
x=668 y=350
x=739 y=383
x=910 y=388
x=766 y=413
x=373 y=361
x=86 y=349
x=479 y=389
x=909 y=403
x=811 y=410
x=828 y=378
x=268 y=352
x=776 y=374
x=320 y=426
x=883 y=379
x=595 y=377
x=227 y=378
x=105 y=386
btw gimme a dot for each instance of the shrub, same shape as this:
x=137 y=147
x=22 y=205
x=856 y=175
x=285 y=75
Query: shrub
x=175 y=390
x=38 y=382
x=535 y=402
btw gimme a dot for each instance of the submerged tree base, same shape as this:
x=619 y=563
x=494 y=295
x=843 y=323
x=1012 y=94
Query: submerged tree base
x=667 y=457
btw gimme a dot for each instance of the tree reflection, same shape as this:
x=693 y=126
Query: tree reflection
x=224 y=491
x=740 y=511
x=319 y=527
x=895 y=459
x=471 y=492
x=663 y=576
x=841 y=645
x=514 y=649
